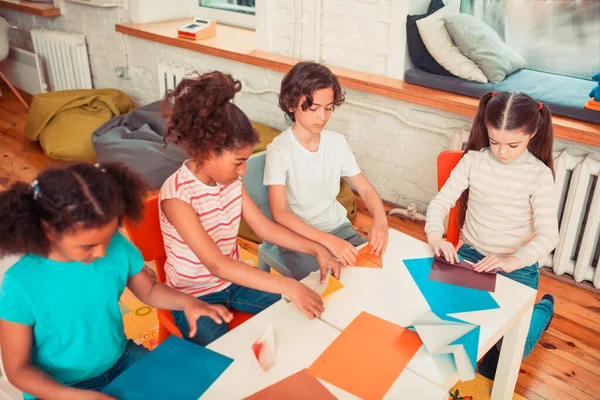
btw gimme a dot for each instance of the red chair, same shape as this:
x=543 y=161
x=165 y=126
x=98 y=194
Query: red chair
x=147 y=236
x=446 y=162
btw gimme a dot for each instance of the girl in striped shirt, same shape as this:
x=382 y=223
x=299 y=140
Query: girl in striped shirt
x=505 y=190
x=202 y=204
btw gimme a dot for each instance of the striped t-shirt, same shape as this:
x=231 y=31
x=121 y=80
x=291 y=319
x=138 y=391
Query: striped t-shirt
x=511 y=208
x=219 y=209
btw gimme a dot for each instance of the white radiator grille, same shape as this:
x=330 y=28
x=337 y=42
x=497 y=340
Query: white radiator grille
x=578 y=195
x=170 y=74
x=65 y=57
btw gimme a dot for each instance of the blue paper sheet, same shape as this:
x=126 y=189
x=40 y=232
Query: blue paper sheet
x=175 y=370
x=444 y=298
x=470 y=342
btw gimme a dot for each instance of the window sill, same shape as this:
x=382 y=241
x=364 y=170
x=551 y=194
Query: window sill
x=239 y=44
x=41 y=9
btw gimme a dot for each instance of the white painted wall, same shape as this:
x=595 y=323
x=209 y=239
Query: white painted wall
x=396 y=146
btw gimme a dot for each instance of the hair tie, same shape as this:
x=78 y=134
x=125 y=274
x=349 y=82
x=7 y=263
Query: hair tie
x=540 y=105
x=35 y=186
x=495 y=93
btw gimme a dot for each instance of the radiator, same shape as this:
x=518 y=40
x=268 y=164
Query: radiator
x=65 y=58
x=170 y=74
x=578 y=199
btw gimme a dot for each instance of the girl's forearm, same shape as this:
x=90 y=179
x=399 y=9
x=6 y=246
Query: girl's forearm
x=36 y=382
x=245 y=275
x=375 y=206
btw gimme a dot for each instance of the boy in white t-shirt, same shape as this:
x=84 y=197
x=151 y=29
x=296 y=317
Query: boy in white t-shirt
x=303 y=169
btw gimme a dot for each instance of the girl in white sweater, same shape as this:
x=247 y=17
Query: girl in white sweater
x=505 y=191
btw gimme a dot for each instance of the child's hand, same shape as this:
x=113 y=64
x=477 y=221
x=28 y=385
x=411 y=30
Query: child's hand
x=441 y=246
x=495 y=262
x=342 y=250
x=327 y=263
x=306 y=299
x=196 y=309
x=378 y=237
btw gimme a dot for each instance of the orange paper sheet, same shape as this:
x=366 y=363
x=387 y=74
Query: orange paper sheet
x=367 y=357
x=300 y=386
x=332 y=286
x=367 y=260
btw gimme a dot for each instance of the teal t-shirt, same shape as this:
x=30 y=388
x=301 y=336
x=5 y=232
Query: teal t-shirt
x=73 y=309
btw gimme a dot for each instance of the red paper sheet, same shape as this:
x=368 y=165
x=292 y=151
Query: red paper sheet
x=300 y=386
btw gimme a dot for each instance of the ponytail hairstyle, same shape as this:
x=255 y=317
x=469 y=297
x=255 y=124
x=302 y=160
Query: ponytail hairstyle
x=510 y=111
x=63 y=200
x=203 y=119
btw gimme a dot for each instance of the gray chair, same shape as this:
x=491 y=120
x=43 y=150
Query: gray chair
x=268 y=253
x=4 y=49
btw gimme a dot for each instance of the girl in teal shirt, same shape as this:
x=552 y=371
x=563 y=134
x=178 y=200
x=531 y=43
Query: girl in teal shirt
x=61 y=329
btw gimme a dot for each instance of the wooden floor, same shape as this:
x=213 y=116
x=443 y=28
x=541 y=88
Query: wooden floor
x=566 y=365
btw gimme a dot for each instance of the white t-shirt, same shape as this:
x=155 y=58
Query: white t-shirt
x=311 y=179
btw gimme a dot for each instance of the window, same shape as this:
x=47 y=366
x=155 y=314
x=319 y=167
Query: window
x=229 y=12
x=558 y=36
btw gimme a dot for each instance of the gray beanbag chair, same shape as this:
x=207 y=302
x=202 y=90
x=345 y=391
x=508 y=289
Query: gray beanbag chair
x=136 y=140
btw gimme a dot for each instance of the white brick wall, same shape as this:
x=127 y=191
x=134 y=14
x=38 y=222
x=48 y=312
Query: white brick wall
x=355 y=34
x=397 y=157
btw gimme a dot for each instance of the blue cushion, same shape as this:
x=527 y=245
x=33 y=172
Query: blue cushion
x=270 y=255
x=254 y=177
x=564 y=95
x=253 y=182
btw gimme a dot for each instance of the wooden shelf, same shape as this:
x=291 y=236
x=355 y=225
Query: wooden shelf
x=239 y=44
x=87 y=3
x=41 y=9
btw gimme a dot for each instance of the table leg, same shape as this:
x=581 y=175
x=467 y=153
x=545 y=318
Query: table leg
x=511 y=355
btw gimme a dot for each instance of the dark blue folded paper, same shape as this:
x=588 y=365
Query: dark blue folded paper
x=175 y=370
x=444 y=298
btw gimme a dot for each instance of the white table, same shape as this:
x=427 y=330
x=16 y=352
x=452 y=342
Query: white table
x=392 y=294
x=298 y=343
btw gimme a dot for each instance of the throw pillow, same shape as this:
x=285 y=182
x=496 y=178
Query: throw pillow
x=417 y=51
x=482 y=45
x=440 y=46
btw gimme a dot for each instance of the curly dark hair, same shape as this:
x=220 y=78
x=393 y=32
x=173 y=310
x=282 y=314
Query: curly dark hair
x=303 y=80
x=80 y=196
x=203 y=119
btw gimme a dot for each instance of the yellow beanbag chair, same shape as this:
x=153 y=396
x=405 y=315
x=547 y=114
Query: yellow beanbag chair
x=63 y=122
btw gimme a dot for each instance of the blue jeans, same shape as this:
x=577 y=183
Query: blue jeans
x=237 y=297
x=301 y=265
x=132 y=353
x=528 y=276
